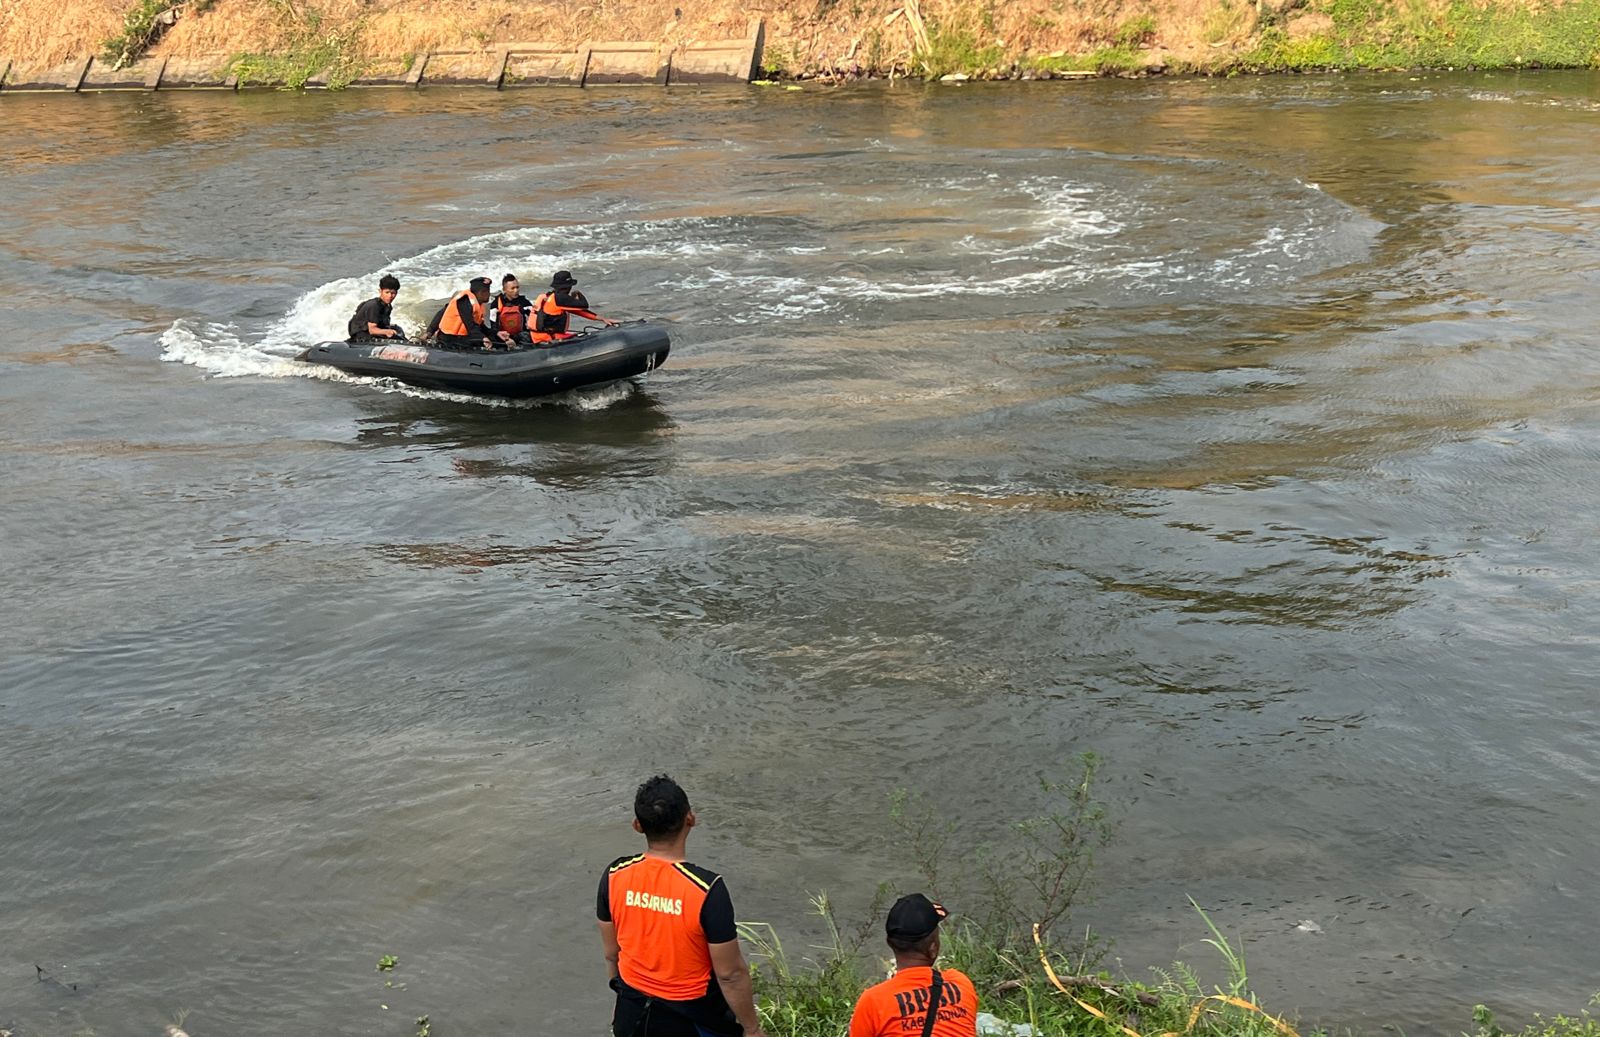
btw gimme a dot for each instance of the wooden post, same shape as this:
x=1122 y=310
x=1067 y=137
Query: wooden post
x=581 y=67
x=152 y=79
x=664 y=64
x=499 y=74
x=420 y=62
x=758 y=42
x=77 y=84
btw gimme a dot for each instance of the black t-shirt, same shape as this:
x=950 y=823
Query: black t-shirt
x=373 y=311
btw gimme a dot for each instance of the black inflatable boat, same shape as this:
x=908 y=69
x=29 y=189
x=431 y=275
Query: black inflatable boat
x=585 y=359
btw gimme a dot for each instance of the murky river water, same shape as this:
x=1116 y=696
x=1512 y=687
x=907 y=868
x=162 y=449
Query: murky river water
x=1241 y=432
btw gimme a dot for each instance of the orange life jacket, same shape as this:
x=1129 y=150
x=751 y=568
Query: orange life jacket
x=511 y=315
x=450 y=323
x=549 y=319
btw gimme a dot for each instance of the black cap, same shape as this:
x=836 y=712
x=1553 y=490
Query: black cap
x=482 y=282
x=562 y=279
x=914 y=917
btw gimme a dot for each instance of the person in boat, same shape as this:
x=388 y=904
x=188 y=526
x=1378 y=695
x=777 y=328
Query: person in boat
x=668 y=931
x=902 y=1004
x=372 y=321
x=553 y=309
x=512 y=312
x=461 y=324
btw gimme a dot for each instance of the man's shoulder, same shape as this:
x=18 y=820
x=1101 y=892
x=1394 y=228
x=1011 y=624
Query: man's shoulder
x=957 y=976
x=705 y=878
x=624 y=862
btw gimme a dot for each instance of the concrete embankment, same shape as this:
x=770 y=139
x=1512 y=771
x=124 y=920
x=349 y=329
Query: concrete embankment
x=109 y=44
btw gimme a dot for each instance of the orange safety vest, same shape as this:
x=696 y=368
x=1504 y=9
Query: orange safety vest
x=549 y=320
x=655 y=905
x=510 y=315
x=450 y=323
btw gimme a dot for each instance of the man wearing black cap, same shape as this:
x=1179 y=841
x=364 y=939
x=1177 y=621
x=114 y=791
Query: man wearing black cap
x=919 y=997
x=461 y=322
x=552 y=309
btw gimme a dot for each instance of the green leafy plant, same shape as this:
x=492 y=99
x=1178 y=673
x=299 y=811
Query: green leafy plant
x=311 y=52
x=1584 y=1025
x=387 y=963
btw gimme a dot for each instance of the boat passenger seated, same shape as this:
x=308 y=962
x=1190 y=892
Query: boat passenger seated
x=372 y=321
x=511 y=311
x=461 y=323
x=553 y=309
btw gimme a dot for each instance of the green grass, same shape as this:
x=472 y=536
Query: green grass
x=1386 y=34
x=1106 y=61
x=814 y=998
x=311 y=52
x=951 y=51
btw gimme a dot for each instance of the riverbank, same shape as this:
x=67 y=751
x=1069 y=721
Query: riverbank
x=1031 y=991
x=290 y=41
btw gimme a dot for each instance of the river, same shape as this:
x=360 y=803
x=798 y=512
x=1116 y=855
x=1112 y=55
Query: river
x=1242 y=432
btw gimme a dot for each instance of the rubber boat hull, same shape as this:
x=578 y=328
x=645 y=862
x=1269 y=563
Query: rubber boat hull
x=587 y=359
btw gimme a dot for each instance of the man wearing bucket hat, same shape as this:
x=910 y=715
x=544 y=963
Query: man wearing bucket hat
x=920 y=997
x=552 y=310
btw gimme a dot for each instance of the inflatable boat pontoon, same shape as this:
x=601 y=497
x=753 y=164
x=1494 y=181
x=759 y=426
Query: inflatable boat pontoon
x=587 y=358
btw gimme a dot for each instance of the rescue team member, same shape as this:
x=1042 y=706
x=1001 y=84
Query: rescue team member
x=371 y=321
x=668 y=931
x=919 y=997
x=510 y=312
x=552 y=310
x=461 y=323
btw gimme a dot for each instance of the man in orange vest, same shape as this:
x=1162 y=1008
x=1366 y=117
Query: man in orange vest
x=511 y=311
x=669 y=933
x=461 y=323
x=552 y=310
x=920 y=997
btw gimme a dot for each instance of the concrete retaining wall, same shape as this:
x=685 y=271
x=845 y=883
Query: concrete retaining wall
x=505 y=67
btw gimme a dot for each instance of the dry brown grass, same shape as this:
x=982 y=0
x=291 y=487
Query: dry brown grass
x=34 y=33
x=801 y=34
x=818 y=33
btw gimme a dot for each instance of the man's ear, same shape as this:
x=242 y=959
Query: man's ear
x=690 y=820
x=637 y=827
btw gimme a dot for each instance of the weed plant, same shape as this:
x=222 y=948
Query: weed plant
x=311 y=52
x=142 y=26
x=1585 y=1025
x=1015 y=901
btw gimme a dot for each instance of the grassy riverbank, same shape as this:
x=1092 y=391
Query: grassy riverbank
x=842 y=39
x=814 y=998
x=1013 y=935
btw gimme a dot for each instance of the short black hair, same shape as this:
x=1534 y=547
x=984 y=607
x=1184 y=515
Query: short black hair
x=661 y=806
x=388 y=282
x=507 y=279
